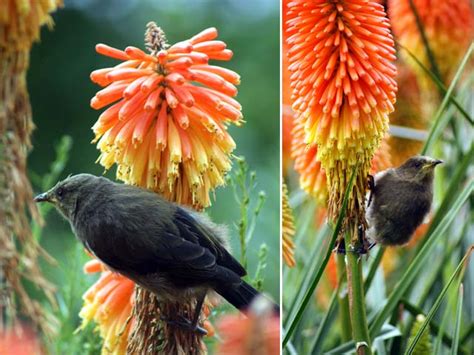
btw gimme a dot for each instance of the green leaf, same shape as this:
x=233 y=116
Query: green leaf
x=457 y=327
x=424 y=39
x=319 y=271
x=440 y=121
x=325 y=326
x=438 y=83
x=439 y=299
x=418 y=262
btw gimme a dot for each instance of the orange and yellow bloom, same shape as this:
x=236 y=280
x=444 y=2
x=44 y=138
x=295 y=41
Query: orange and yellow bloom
x=341 y=55
x=256 y=333
x=109 y=304
x=167 y=126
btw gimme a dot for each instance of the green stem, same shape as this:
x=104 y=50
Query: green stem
x=360 y=328
x=343 y=299
x=426 y=44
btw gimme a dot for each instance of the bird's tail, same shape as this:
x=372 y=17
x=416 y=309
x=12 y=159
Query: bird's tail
x=242 y=296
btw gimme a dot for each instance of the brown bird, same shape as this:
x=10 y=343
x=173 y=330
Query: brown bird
x=400 y=199
x=176 y=253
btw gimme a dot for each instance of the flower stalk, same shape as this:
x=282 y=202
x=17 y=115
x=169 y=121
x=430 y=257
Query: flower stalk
x=360 y=328
x=343 y=299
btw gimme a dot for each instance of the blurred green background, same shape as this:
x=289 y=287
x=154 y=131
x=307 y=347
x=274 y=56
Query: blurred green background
x=60 y=91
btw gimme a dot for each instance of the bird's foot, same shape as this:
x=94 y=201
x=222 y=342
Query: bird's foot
x=185 y=324
x=340 y=247
x=363 y=249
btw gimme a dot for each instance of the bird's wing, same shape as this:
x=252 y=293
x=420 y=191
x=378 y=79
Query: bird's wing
x=178 y=246
x=199 y=233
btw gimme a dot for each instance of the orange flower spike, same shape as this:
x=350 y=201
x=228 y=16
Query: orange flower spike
x=162 y=85
x=343 y=87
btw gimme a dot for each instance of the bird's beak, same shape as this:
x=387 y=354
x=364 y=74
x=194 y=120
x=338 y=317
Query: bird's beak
x=42 y=197
x=434 y=162
x=431 y=164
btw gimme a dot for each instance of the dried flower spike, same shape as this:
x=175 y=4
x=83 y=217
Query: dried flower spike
x=21 y=20
x=167 y=126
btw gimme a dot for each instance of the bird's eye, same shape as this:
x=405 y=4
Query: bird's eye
x=60 y=192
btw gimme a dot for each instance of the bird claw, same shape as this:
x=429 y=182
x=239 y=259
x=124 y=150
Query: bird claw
x=185 y=324
x=340 y=247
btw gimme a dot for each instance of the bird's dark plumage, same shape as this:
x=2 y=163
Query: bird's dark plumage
x=168 y=249
x=401 y=200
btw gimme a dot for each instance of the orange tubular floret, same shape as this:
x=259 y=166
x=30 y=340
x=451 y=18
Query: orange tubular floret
x=131 y=105
x=227 y=99
x=207 y=95
x=226 y=74
x=181 y=63
x=180 y=116
x=110 y=114
x=93 y=266
x=185 y=144
x=153 y=99
x=99 y=76
x=135 y=53
x=134 y=87
x=111 y=52
x=97 y=103
x=175 y=78
x=111 y=93
x=127 y=73
x=205 y=35
x=171 y=98
x=119 y=299
x=226 y=54
x=196 y=57
x=151 y=82
x=229 y=111
x=181 y=47
x=142 y=127
x=209 y=79
x=210 y=46
x=108 y=289
x=183 y=95
x=162 y=127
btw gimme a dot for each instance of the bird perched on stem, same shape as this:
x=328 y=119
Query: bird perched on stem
x=174 y=252
x=399 y=200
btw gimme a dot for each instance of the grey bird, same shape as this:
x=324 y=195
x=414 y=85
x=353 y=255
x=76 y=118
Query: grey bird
x=399 y=200
x=174 y=252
